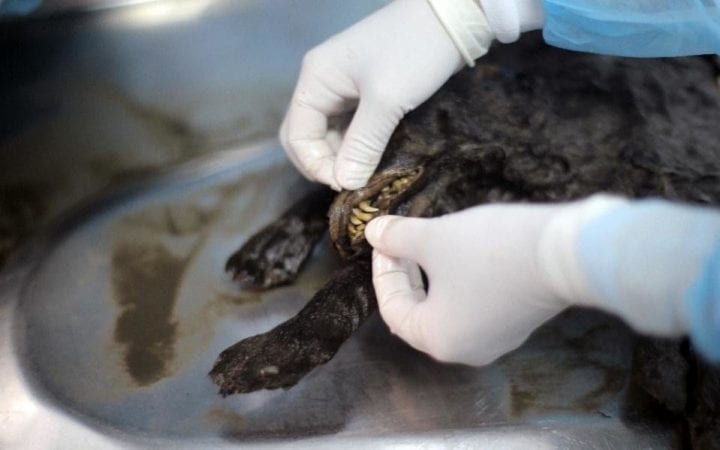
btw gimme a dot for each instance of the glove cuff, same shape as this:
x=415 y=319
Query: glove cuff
x=509 y=18
x=558 y=259
x=466 y=25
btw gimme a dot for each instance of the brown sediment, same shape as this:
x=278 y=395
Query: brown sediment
x=154 y=254
x=21 y=214
x=539 y=384
x=536 y=387
x=228 y=420
x=145 y=280
x=150 y=254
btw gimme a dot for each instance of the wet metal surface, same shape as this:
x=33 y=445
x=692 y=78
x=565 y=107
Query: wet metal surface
x=86 y=363
x=110 y=321
x=91 y=100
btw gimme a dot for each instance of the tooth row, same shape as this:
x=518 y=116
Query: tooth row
x=396 y=187
x=362 y=215
x=400 y=183
x=365 y=211
x=359 y=217
x=365 y=206
x=355 y=231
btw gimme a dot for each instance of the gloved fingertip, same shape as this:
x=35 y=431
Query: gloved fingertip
x=383 y=264
x=375 y=229
x=283 y=131
x=328 y=181
x=349 y=179
x=350 y=185
x=352 y=173
x=322 y=172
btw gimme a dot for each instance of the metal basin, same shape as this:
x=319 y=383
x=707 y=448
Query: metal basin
x=94 y=99
x=112 y=316
x=114 y=319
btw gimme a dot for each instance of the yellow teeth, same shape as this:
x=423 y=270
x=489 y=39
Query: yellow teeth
x=365 y=206
x=352 y=231
x=365 y=217
x=364 y=212
x=400 y=184
x=360 y=216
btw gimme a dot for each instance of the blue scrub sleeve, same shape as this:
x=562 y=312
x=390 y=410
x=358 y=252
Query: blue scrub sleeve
x=18 y=7
x=656 y=264
x=703 y=304
x=643 y=28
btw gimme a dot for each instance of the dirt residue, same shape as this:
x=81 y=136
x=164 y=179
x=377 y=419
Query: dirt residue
x=151 y=252
x=165 y=282
x=145 y=280
x=226 y=419
x=567 y=372
x=537 y=386
x=21 y=214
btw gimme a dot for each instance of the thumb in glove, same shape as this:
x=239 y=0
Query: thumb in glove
x=495 y=274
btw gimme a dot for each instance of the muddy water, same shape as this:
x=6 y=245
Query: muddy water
x=99 y=137
x=145 y=281
x=21 y=213
x=151 y=252
x=587 y=369
x=167 y=275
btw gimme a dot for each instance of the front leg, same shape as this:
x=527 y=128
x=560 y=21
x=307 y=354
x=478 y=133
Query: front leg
x=274 y=255
x=285 y=354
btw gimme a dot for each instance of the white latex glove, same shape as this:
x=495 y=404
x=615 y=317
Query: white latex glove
x=495 y=274
x=386 y=65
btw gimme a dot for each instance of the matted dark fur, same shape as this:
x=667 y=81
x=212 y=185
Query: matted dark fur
x=529 y=123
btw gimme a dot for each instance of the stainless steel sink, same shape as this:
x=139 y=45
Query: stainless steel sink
x=145 y=136
x=111 y=321
x=94 y=99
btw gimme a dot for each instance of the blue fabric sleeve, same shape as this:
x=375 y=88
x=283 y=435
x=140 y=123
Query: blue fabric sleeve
x=18 y=7
x=657 y=265
x=703 y=304
x=641 y=28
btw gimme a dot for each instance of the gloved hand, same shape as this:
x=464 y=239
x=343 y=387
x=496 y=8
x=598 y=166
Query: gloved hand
x=386 y=65
x=495 y=274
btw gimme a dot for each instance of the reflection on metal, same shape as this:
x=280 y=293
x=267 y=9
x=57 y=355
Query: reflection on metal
x=157 y=13
x=49 y=7
x=96 y=99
